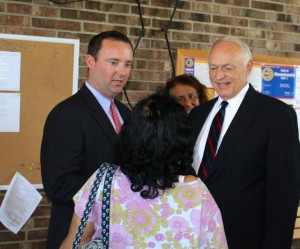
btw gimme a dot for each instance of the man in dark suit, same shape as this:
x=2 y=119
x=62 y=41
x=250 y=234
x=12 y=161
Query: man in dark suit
x=79 y=132
x=254 y=176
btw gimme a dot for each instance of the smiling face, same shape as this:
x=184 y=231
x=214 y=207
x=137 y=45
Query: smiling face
x=185 y=95
x=109 y=72
x=229 y=68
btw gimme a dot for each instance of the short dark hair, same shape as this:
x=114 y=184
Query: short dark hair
x=95 y=43
x=190 y=80
x=154 y=145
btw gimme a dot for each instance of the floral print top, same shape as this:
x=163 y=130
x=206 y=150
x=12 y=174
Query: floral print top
x=182 y=217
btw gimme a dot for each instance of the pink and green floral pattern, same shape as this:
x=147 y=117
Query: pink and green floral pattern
x=182 y=217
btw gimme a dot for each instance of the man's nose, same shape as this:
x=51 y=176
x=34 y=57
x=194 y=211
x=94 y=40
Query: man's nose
x=122 y=69
x=219 y=74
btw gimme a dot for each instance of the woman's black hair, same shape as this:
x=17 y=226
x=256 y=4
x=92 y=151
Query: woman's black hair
x=154 y=145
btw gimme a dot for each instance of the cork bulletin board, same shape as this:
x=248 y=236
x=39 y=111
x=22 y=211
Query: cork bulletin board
x=48 y=74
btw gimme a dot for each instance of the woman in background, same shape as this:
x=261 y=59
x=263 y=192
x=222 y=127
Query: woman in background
x=157 y=201
x=187 y=91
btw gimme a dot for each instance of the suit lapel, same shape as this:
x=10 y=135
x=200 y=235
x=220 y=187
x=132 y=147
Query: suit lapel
x=98 y=113
x=243 y=119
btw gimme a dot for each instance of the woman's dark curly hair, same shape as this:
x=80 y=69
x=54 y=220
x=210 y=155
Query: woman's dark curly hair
x=154 y=145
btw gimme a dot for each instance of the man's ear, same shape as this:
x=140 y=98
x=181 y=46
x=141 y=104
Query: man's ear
x=90 y=61
x=249 y=67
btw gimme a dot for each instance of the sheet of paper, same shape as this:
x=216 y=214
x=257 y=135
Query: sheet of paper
x=10 y=112
x=255 y=77
x=10 y=71
x=202 y=72
x=20 y=201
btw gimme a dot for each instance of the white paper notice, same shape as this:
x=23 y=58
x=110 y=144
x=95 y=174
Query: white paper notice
x=255 y=77
x=10 y=112
x=297 y=88
x=19 y=202
x=202 y=73
x=10 y=71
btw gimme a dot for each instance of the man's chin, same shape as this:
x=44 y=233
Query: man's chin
x=117 y=92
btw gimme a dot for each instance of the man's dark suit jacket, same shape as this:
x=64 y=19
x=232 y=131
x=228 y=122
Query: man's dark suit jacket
x=78 y=137
x=255 y=180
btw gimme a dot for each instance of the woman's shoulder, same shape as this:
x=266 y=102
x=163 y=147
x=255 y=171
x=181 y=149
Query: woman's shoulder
x=190 y=178
x=187 y=179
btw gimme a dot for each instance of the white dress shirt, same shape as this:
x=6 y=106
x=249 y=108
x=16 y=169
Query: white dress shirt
x=230 y=111
x=105 y=104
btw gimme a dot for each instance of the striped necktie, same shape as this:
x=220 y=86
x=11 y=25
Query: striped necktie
x=115 y=116
x=211 y=145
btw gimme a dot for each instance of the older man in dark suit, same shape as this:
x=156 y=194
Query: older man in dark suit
x=79 y=132
x=253 y=171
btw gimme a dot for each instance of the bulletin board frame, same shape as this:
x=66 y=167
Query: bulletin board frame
x=48 y=75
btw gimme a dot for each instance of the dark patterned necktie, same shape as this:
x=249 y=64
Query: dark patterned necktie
x=210 y=150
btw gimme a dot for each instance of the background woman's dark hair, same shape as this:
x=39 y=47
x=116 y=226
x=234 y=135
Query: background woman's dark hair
x=95 y=43
x=190 y=80
x=154 y=145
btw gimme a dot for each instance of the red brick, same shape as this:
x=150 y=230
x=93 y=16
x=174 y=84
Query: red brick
x=291 y=9
x=38 y=245
x=19 y=245
x=42 y=211
x=17 y=20
x=37 y=234
x=153 y=11
x=137 y=96
x=229 y=20
x=123 y=19
x=29 y=31
x=19 y=8
x=107 y=7
x=6 y=236
x=137 y=85
x=139 y=64
x=242 y=3
x=156 y=86
x=257 y=14
x=83 y=15
x=45 y=11
x=41 y=222
x=140 y=75
x=267 y=6
x=2 y=6
x=165 y=3
x=155 y=65
x=55 y=24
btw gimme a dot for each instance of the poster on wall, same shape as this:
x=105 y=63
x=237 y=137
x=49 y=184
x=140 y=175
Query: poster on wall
x=297 y=96
x=279 y=82
x=189 y=65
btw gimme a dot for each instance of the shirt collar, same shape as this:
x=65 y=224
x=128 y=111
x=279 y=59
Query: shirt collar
x=237 y=99
x=103 y=101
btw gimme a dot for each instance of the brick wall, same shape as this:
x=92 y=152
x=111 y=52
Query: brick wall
x=33 y=234
x=269 y=27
